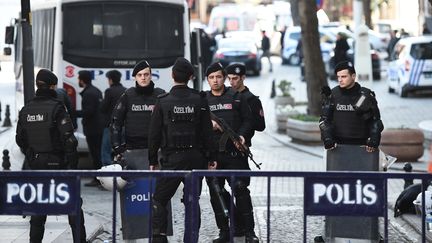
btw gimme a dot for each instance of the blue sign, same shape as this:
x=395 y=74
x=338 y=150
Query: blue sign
x=344 y=197
x=38 y=195
x=138 y=197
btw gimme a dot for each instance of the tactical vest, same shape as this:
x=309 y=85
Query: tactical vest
x=139 y=109
x=181 y=121
x=347 y=123
x=226 y=107
x=40 y=125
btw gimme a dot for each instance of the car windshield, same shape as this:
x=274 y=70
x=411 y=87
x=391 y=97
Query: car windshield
x=421 y=51
x=236 y=44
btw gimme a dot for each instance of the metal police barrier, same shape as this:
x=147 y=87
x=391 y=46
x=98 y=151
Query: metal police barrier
x=325 y=193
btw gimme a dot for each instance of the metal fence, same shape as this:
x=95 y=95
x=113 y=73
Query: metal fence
x=22 y=193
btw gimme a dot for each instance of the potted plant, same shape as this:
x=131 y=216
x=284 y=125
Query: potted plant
x=406 y=144
x=285 y=97
x=303 y=128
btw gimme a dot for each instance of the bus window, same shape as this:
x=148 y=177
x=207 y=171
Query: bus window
x=97 y=33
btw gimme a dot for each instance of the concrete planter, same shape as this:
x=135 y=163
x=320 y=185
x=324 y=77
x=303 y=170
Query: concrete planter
x=282 y=114
x=284 y=100
x=303 y=131
x=404 y=144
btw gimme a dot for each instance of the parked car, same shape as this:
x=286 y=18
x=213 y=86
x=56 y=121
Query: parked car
x=291 y=38
x=241 y=50
x=410 y=65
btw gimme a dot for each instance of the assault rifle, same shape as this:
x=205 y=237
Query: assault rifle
x=235 y=138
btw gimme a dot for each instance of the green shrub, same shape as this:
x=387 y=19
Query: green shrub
x=305 y=117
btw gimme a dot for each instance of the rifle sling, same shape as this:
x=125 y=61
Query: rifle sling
x=222 y=141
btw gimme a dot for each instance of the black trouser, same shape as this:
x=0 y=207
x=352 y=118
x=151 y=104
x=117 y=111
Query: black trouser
x=94 y=142
x=37 y=227
x=167 y=186
x=243 y=209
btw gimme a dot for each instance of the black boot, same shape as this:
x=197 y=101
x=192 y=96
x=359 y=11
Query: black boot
x=159 y=239
x=223 y=237
x=250 y=237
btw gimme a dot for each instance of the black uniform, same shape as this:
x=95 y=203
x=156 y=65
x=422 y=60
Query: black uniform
x=112 y=95
x=232 y=108
x=133 y=112
x=45 y=134
x=92 y=121
x=181 y=126
x=257 y=112
x=351 y=116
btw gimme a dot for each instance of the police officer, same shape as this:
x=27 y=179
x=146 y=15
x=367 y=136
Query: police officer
x=230 y=106
x=45 y=133
x=181 y=127
x=236 y=74
x=132 y=114
x=350 y=113
x=129 y=137
x=111 y=96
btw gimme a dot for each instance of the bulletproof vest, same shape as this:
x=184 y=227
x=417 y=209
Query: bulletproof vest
x=347 y=123
x=139 y=109
x=181 y=121
x=40 y=126
x=226 y=107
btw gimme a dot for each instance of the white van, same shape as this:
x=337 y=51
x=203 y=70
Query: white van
x=232 y=17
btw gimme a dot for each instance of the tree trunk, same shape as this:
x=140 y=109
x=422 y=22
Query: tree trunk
x=295 y=12
x=315 y=73
x=367 y=13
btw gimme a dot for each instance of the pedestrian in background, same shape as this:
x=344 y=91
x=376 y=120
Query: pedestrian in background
x=91 y=119
x=393 y=40
x=111 y=96
x=181 y=127
x=230 y=106
x=299 y=52
x=350 y=113
x=341 y=48
x=265 y=46
x=48 y=142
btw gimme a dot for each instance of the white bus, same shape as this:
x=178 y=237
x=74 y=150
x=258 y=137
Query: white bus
x=100 y=35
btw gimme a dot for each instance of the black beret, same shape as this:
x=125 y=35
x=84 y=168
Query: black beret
x=344 y=65
x=236 y=68
x=140 y=66
x=214 y=68
x=47 y=77
x=182 y=65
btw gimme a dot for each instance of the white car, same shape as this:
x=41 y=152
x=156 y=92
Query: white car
x=410 y=65
x=291 y=38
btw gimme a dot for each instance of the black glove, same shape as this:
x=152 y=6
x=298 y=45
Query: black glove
x=372 y=143
x=119 y=149
x=329 y=143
